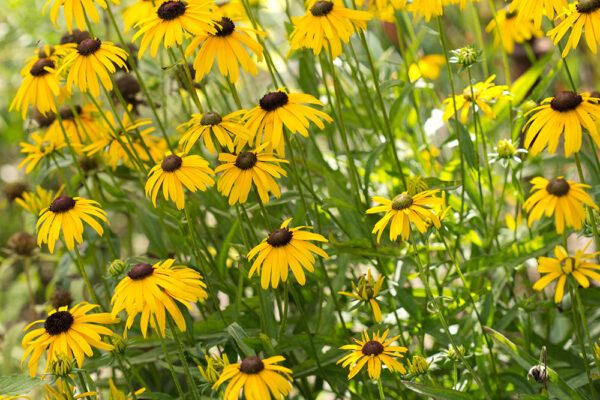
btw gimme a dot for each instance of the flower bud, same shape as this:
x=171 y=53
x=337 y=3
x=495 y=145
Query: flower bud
x=61 y=366
x=418 y=365
x=116 y=268
x=416 y=185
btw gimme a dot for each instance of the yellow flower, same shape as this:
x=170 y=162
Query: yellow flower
x=171 y=20
x=327 y=24
x=528 y=10
x=233 y=9
x=368 y=290
x=68 y=332
x=48 y=52
x=152 y=289
x=484 y=92
x=282 y=250
x=427 y=8
x=137 y=12
x=42 y=148
x=79 y=129
x=563 y=266
x=564 y=199
x=67 y=213
x=39 y=88
x=51 y=393
x=279 y=109
x=583 y=17
x=174 y=173
x=36 y=202
x=428 y=67
x=210 y=124
x=93 y=59
x=373 y=351
x=257 y=378
x=512 y=30
x=76 y=9
x=404 y=209
x=251 y=166
x=566 y=113
x=385 y=9
x=227 y=46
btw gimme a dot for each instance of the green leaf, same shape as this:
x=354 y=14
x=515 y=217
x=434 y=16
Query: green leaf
x=468 y=149
x=391 y=83
x=15 y=385
x=437 y=392
x=238 y=335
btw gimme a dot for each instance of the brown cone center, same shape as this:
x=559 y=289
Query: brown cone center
x=88 y=46
x=246 y=160
x=171 y=163
x=372 y=348
x=58 y=323
x=211 y=118
x=140 y=271
x=558 y=187
x=402 y=201
x=62 y=204
x=170 y=10
x=566 y=101
x=39 y=68
x=225 y=27
x=321 y=8
x=587 y=6
x=280 y=237
x=252 y=365
x=272 y=101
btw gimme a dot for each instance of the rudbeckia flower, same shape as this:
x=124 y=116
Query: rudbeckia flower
x=565 y=114
x=563 y=266
x=42 y=148
x=39 y=88
x=52 y=53
x=256 y=378
x=171 y=20
x=175 y=172
x=152 y=289
x=512 y=30
x=34 y=202
x=528 y=10
x=77 y=10
x=427 y=8
x=405 y=209
x=67 y=213
x=428 y=67
x=93 y=59
x=226 y=130
x=251 y=166
x=80 y=129
x=137 y=12
x=564 y=199
x=373 y=351
x=483 y=93
x=284 y=249
x=327 y=24
x=367 y=291
x=69 y=332
x=582 y=17
x=227 y=46
x=279 y=109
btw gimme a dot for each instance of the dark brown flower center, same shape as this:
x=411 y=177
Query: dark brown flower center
x=402 y=201
x=211 y=118
x=140 y=271
x=62 y=204
x=171 y=163
x=41 y=119
x=511 y=15
x=58 y=322
x=246 y=160
x=89 y=46
x=252 y=365
x=587 y=6
x=272 y=101
x=566 y=101
x=169 y=10
x=225 y=27
x=67 y=113
x=39 y=68
x=280 y=237
x=372 y=348
x=76 y=37
x=558 y=187
x=321 y=8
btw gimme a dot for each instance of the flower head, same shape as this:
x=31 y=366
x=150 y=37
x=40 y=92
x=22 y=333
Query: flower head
x=427 y=67
x=373 y=351
x=257 y=378
x=39 y=88
x=581 y=17
x=427 y=8
x=528 y=10
x=563 y=266
x=80 y=125
x=481 y=94
x=66 y=332
x=137 y=12
x=226 y=130
x=506 y=153
x=152 y=289
x=77 y=10
x=564 y=199
x=367 y=291
x=34 y=202
x=512 y=30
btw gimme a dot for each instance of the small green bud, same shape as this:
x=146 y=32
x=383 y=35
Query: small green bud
x=453 y=355
x=505 y=149
x=62 y=366
x=118 y=342
x=465 y=56
x=416 y=185
x=418 y=365
x=116 y=268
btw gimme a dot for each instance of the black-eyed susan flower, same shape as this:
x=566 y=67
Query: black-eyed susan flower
x=34 y=202
x=171 y=21
x=42 y=148
x=76 y=10
x=528 y=10
x=67 y=214
x=564 y=199
x=71 y=333
x=153 y=289
x=583 y=18
x=284 y=249
x=385 y=9
x=512 y=30
x=39 y=88
x=373 y=351
x=428 y=67
x=241 y=170
x=405 y=209
x=327 y=24
x=175 y=172
x=565 y=114
x=279 y=109
x=137 y=12
x=367 y=290
x=226 y=130
x=52 y=53
x=483 y=93
x=80 y=126
x=256 y=378
x=93 y=60
x=427 y=8
x=563 y=266
x=226 y=45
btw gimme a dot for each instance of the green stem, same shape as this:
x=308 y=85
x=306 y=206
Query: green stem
x=190 y=81
x=186 y=368
x=586 y=331
x=88 y=284
x=168 y=358
x=380 y=388
x=589 y=209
